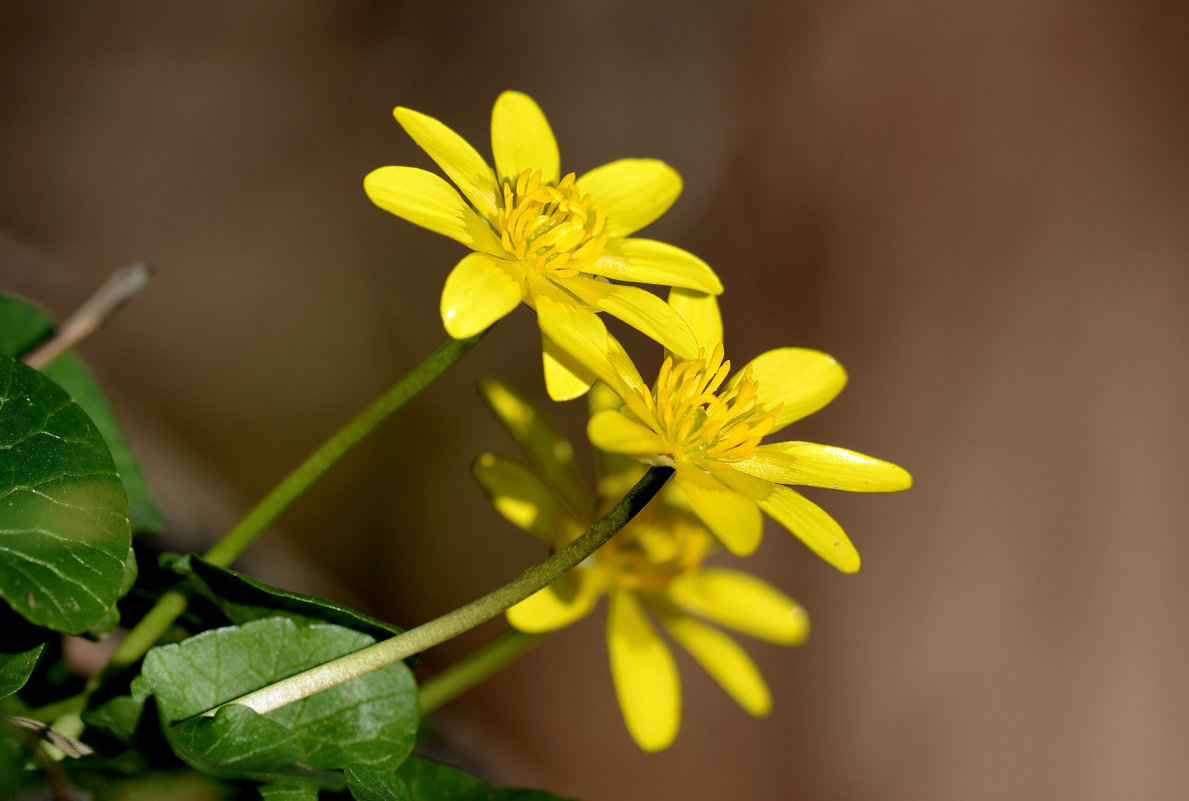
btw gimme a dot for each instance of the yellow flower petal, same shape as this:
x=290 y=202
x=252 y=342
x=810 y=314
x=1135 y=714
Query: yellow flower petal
x=806 y=520
x=632 y=192
x=424 y=199
x=645 y=675
x=725 y=661
x=742 y=602
x=565 y=378
x=640 y=309
x=803 y=380
x=734 y=519
x=523 y=499
x=602 y=397
x=478 y=292
x=644 y=261
x=700 y=312
x=550 y=452
x=813 y=465
x=521 y=139
x=611 y=430
x=581 y=342
x=561 y=603
x=466 y=168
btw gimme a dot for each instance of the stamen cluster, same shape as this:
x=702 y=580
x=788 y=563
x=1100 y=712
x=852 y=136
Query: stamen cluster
x=551 y=228
x=700 y=424
x=654 y=549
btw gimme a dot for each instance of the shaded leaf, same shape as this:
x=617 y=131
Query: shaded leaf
x=376 y=784
x=20 y=649
x=242 y=599
x=64 y=531
x=118 y=718
x=22 y=326
x=369 y=720
x=235 y=742
x=296 y=791
x=433 y=781
x=15 y=669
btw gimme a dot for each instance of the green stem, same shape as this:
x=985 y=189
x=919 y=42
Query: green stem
x=476 y=668
x=451 y=624
x=170 y=605
x=346 y=438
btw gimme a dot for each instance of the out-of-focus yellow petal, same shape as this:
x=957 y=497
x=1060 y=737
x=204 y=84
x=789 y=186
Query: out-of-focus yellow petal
x=742 y=602
x=734 y=519
x=813 y=465
x=645 y=674
x=461 y=162
x=640 y=309
x=632 y=192
x=582 y=340
x=700 y=312
x=613 y=431
x=803 y=380
x=550 y=452
x=560 y=604
x=644 y=261
x=523 y=499
x=424 y=199
x=725 y=661
x=478 y=292
x=521 y=139
x=806 y=520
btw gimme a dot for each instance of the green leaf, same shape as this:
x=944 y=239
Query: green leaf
x=294 y=791
x=242 y=599
x=64 y=531
x=21 y=647
x=118 y=718
x=432 y=781
x=369 y=720
x=111 y=620
x=23 y=326
x=15 y=669
x=235 y=742
x=375 y=784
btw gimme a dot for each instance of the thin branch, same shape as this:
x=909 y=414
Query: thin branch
x=123 y=284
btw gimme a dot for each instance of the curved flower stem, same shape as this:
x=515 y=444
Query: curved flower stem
x=170 y=605
x=451 y=624
x=291 y=488
x=475 y=668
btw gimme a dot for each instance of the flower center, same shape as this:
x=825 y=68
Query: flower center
x=659 y=545
x=551 y=228
x=700 y=424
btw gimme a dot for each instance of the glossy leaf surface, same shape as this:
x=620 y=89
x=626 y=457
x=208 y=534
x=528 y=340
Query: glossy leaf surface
x=64 y=530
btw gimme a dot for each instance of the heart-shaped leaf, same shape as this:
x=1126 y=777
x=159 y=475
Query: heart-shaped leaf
x=368 y=720
x=64 y=530
x=22 y=326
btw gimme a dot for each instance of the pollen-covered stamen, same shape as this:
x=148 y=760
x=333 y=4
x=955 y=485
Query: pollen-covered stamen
x=551 y=228
x=697 y=422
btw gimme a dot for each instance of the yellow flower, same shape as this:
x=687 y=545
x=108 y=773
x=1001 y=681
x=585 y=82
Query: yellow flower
x=538 y=234
x=709 y=429
x=654 y=565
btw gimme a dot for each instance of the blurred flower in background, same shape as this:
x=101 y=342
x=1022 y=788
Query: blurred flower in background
x=654 y=565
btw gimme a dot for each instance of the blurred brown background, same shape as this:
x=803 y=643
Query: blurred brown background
x=979 y=208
